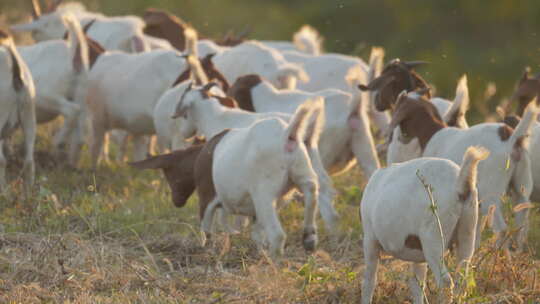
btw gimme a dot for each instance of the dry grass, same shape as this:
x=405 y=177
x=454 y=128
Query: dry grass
x=115 y=237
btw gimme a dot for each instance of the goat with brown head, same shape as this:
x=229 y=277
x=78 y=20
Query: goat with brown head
x=417 y=117
x=396 y=76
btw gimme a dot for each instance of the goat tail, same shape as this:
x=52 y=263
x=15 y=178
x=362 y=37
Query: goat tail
x=78 y=45
x=519 y=138
x=191 y=42
x=316 y=123
x=459 y=107
x=466 y=182
x=296 y=131
x=196 y=70
x=375 y=63
x=308 y=40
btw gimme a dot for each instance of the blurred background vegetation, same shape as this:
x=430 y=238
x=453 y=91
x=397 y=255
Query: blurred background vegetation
x=490 y=40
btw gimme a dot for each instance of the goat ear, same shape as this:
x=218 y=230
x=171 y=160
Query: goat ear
x=154 y=162
x=377 y=83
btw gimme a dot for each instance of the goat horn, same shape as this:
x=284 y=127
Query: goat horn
x=36 y=9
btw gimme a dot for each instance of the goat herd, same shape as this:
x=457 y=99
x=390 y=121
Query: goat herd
x=292 y=117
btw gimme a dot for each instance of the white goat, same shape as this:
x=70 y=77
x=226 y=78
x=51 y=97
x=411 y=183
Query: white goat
x=508 y=166
x=341 y=138
x=346 y=131
x=123 y=90
x=204 y=115
x=16 y=106
x=253 y=167
x=113 y=33
x=60 y=70
x=252 y=57
x=410 y=228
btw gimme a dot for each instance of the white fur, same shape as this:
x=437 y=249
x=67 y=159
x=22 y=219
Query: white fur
x=389 y=218
x=252 y=57
x=60 y=87
x=254 y=167
x=16 y=109
x=498 y=173
x=113 y=33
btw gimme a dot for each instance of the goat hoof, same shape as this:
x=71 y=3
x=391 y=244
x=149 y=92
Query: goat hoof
x=310 y=242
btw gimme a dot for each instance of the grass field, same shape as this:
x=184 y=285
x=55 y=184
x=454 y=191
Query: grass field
x=115 y=237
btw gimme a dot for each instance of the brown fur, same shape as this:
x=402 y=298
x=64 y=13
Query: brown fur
x=164 y=25
x=466 y=192
x=209 y=69
x=528 y=88
x=203 y=173
x=94 y=48
x=178 y=168
x=413 y=242
x=241 y=91
x=396 y=77
x=505 y=132
x=417 y=118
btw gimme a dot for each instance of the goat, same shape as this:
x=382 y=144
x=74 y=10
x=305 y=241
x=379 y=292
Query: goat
x=113 y=33
x=527 y=89
x=60 y=71
x=410 y=228
x=453 y=114
x=508 y=166
x=346 y=131
x=203 y=114
x=138 y=78
x=261 y=60
x=267 y=160
x=17 y=106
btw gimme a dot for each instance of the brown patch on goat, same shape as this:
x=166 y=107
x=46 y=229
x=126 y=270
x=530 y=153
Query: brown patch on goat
x=94 y=48
x=413 y=242
x=209 y=69
x=511 y=120
x=178 y=167
x=417 y=118
x=463 y=196
x=396 y=77
x=16 y=71
x=164 y=25
x=226 y=101
x=505 y=132
x=519 y=147
x=203 y=173
x=241 y=91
